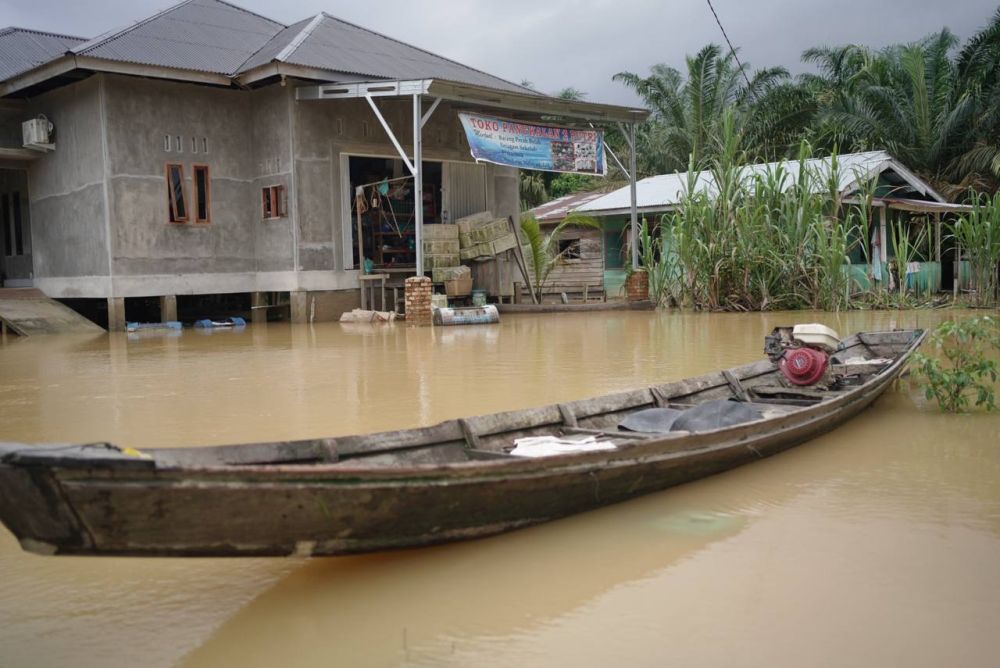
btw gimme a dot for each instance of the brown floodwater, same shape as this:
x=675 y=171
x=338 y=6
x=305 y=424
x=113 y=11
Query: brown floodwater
x=875 y=545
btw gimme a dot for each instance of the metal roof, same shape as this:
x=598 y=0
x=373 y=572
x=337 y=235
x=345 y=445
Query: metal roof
x=328 y=43
x=22 y=50
x=664 y=192
x=218 y=42
x=557 y=209
x=200 y=35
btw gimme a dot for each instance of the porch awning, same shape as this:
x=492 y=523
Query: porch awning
x=476 y=97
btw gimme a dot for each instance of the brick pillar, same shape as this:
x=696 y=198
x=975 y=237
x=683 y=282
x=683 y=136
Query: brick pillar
x=637 y=286
x=418 y=300
x=168 y=308
x=116 y=314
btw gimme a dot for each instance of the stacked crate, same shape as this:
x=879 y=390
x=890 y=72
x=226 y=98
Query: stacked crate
x=483 y=236
x=441 y=246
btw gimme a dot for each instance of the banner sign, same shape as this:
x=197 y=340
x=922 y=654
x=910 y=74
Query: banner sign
x=548 y=148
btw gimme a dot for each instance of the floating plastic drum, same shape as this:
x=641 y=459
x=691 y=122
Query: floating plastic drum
x=475 y=315
x=479 y=297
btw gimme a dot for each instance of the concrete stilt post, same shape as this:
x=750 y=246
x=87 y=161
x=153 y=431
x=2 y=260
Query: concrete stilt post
x=116 y=314
x=257 y=313
x=168 y=308
x=300 y=306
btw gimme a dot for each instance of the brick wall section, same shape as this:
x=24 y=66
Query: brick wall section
x=418 y=300
x=637 y=286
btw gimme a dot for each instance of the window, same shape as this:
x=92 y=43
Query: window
x=194 y=144
x=202 y=195
x=177 y=202
x=204 y=144
x=178 y=146
x=166 y=143
x=569 y=249
x=274 y=204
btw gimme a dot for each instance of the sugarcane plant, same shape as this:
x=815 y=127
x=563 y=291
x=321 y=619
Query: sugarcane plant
x=978 y=233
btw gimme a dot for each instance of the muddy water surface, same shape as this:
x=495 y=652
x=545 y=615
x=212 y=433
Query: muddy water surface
x=878 y=544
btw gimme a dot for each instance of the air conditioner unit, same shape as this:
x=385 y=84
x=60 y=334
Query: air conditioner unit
x=36 y=133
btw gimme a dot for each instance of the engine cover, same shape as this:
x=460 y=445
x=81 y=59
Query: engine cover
x=803 y=366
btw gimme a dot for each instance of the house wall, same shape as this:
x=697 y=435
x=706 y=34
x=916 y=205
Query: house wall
x=68 y=197
x=325 y=131
x=150 y=255
x=572 y=276
x=99 y=203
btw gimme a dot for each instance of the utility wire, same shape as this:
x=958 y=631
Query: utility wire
x=732 y=50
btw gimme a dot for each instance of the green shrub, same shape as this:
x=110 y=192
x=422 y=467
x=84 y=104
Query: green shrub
x=963 y=370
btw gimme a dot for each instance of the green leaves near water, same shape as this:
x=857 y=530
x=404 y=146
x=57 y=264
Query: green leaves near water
x=963 y=374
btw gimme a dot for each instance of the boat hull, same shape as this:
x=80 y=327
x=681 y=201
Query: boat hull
x=337 y=509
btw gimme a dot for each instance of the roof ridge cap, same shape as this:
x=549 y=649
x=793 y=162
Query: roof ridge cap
x=10 y=29
x=116 y=33
x=303 y=35
x=251 y=13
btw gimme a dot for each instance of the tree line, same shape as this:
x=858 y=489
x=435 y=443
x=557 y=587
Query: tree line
x=934 y=104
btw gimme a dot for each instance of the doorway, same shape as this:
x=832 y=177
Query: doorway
x=386 y=220
x=15 y=230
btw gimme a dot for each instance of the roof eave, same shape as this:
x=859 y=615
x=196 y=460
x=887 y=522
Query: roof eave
x=477 y=96
x=71 y=62
x=38 y=75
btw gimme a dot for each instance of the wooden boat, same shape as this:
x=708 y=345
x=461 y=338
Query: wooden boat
x=451 y=481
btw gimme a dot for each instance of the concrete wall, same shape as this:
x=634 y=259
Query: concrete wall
x=140 y=115
x=66 y=188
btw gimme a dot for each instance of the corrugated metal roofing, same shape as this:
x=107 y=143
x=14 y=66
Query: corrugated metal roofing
x=200 y=35
x=666 y=191
x=328 y=43
x=22 y=50
x=217 y=37
x=270 y=51
x=557 y=209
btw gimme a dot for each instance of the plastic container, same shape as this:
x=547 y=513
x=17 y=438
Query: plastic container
x=475 y=315
x=816 y=336
x=479 y=297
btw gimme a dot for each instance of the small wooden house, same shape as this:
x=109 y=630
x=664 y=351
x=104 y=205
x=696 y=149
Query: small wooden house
x=582 y=269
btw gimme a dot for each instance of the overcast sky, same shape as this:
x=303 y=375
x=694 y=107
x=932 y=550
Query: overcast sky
x=579 y=43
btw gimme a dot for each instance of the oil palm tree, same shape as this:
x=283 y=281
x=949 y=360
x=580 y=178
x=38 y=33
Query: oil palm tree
x=687 y=110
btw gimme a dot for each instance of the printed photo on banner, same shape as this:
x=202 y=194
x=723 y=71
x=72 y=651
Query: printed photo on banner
x=547 y=148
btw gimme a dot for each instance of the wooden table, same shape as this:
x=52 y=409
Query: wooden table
x=368 y=282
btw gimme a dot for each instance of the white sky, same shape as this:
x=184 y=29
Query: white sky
x=579 y=43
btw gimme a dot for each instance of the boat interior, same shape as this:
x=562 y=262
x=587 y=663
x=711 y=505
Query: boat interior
x=756 y=391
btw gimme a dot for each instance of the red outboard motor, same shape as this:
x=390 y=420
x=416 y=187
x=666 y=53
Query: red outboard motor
x=803 y=366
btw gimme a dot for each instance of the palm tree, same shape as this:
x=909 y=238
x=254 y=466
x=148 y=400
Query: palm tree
x=936 y=113
x=687 y=111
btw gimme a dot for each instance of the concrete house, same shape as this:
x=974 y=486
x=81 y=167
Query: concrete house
x=208 y=150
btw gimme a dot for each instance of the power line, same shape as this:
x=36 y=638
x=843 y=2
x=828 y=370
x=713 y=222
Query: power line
x=732 y=50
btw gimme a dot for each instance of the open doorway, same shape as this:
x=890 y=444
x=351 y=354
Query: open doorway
x=15 y=230
x=384 y=217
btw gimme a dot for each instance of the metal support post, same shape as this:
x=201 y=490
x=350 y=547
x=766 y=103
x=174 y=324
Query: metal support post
x=418 y=181
x=634 y=213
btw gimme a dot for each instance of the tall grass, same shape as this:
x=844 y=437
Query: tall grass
x=979 y=234
x=775 y=239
